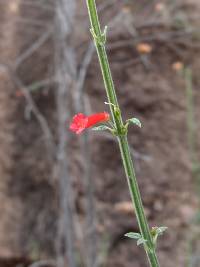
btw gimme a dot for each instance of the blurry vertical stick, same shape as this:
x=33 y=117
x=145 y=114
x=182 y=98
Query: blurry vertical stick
x=90 y=235
x=90 y=225
x=65 y=68
x=191 y=118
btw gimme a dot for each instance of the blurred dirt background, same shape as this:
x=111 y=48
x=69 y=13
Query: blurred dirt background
x=150 y=43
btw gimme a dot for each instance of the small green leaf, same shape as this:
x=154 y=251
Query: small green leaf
x=135 y=121
x=133 y=235
x=141 y=241
x=161 y=230
x=156 y=232
x=101 y=128
x=137 y=236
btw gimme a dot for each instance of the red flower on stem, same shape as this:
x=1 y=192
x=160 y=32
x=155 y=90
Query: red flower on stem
x=80 y=122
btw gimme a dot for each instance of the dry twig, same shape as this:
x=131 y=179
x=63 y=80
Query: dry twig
x=33 y=107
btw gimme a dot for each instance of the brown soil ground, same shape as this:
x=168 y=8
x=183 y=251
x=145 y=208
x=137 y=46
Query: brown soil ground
x=148 y=88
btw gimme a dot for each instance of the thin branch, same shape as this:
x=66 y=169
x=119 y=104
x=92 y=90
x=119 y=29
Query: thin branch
x=33 y=4
x=31 y=22
x=82 y=75
x=43 y=5
x=103 y=6
x=39 y=84
x=43 y=263
x=65 y=67
x=33 y=107
x=134 y=153
x=164 y=36
x=33 y=48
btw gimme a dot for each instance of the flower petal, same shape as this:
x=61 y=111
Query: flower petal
x=79 y=123
x=97 y=118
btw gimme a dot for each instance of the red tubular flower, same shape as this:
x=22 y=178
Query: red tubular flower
x=80 y=122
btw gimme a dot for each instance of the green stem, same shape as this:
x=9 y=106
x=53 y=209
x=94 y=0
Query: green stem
x=100 y=40
x=137 y=201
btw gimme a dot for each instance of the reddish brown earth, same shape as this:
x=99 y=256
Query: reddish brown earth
x=148 y=88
